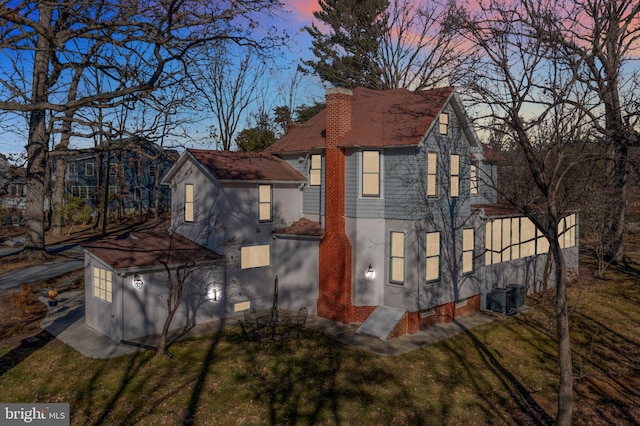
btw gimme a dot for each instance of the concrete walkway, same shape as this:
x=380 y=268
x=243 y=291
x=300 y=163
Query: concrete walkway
x=66 y=322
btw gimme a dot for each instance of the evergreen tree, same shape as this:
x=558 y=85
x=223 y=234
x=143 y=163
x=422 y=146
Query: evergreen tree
x=346 y=55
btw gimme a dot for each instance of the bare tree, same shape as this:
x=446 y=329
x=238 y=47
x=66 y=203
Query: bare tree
x=523 y=89
x=229 y=85
x=599 y=41
x=419 y=50
x=43 y=43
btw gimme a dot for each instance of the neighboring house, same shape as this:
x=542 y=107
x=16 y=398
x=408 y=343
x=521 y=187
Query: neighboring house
x=135 y=170
x=377 y=211
x=13 y=191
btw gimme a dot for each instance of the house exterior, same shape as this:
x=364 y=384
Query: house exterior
x=376 y=211
x=135 y=170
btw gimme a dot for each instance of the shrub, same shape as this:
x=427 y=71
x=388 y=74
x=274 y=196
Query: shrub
x=26 y=299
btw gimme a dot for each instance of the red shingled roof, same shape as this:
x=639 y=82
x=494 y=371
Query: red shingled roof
x=245 y=165
x=303 y=227
x=379 y=118
x=149 y=246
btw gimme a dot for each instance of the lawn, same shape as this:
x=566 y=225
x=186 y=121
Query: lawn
x=501 y=373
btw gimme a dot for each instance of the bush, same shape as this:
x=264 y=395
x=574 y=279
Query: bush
x=26 y=299
x=76 y=211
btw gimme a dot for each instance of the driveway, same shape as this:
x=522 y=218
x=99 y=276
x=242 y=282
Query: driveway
x=74 y=260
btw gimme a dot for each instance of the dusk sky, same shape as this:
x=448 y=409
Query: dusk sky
x=297 y=14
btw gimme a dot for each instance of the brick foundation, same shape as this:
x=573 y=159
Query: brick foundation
x=411 y=322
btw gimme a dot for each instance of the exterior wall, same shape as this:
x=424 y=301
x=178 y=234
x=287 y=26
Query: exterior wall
x=137 y=313
x=297 y=267
x=312 y=196
x=101 y=315
x=144 y=311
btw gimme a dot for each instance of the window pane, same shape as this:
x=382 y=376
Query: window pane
x=265 y=193
x=455 y=183
x=433 y=244
x=397 y=269
x=188 y=192
x=467 y=261
x=488 y=239
x=265 y=211
x=496 y=241
x=370 y=184
x=370 y=163
x=506 y=240
x=433 y=272
x=254 y=256
x=455 y=164
x=467 y=239
x=316 y=161
x=397 y=244
x=314 y=178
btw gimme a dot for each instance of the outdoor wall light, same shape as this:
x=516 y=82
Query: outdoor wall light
x=214 y=294
x=370 y=274
x=137 y=282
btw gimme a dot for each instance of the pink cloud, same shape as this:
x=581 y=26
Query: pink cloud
x=302 y=9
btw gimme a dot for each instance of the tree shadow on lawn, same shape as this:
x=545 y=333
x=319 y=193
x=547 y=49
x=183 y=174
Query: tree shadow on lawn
x=528 y=410
x=27 y=347
x=321 y=381
x=143 y=383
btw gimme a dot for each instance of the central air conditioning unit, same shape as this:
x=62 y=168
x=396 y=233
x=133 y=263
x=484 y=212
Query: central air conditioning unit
x=499 y=300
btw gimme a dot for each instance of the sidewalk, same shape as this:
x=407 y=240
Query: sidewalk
x=66 y=322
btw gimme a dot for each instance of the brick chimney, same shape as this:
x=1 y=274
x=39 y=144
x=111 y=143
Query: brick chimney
x=335 y=280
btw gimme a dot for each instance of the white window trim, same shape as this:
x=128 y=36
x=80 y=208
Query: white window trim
x=397 y=255
x=189 y=213
x=315 y=170
x=454 y=175
x=363 y=173
x=103 y=284
x=443 y=124
x=429 y=256
x=265 y=207
x=432 y=175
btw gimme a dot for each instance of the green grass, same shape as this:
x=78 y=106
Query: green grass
x=501 y=373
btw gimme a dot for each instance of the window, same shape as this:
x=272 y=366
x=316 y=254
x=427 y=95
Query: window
x=473 y=180
x=461 y=303
x=567 y=231
x=370 y=173
x=315 y=170
x=188 y=202
x=113 y=170
x=84 y=192
x=71 y=169
x=455 y=175
x=515 y=238
x=432 y=182
x=113 y=190
x=444 y=123
x=433 y=256
x=89 y=169
x=254 y=256
x=102 y=284
x=264 y=201
x=467 y=250
x=396 y=274
x=152 y=170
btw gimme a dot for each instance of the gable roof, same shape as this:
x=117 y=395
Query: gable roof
x=150 y=246
x=235 y=165
x=379 y=118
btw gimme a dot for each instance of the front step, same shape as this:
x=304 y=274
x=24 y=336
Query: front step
x=381 y=322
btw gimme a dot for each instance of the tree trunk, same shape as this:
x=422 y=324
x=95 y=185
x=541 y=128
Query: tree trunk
x=565 y=390
x=617 y=192
x=58 y=195
x=37 y=145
